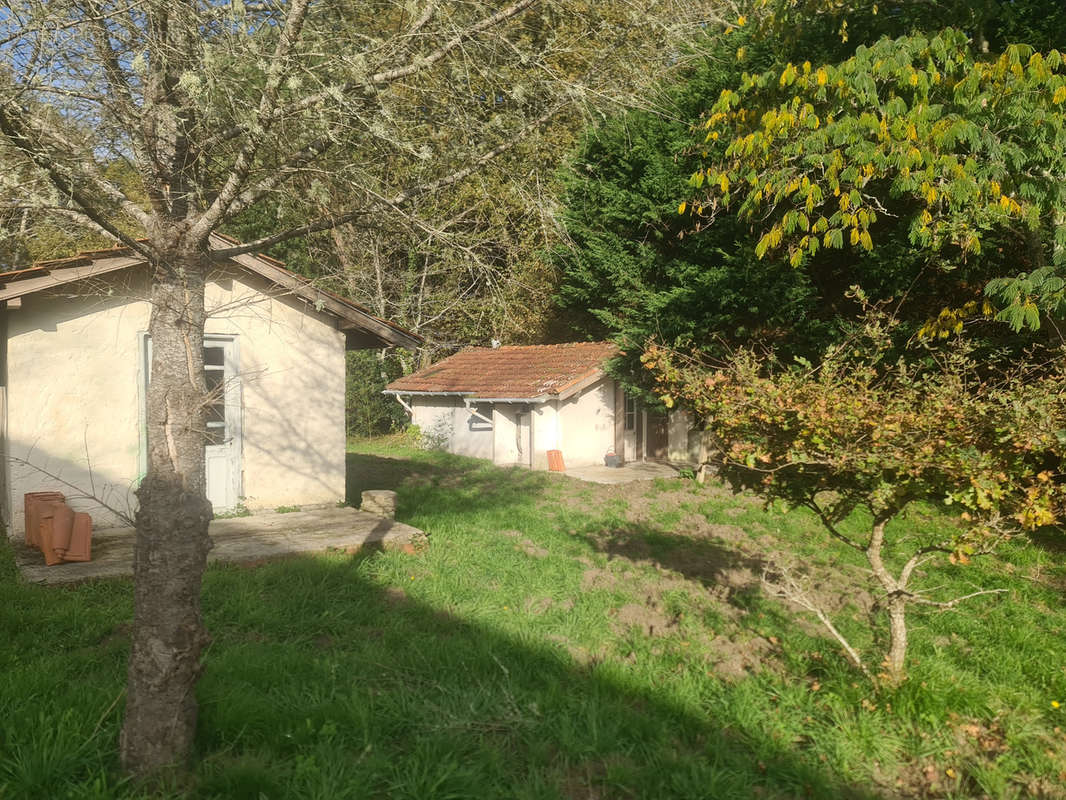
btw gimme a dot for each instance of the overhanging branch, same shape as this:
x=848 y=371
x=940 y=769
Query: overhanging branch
x=330 y=221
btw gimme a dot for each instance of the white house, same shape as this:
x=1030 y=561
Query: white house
x=514 y=404
x=75 y=356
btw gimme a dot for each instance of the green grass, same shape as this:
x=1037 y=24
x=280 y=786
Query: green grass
x=555 y=639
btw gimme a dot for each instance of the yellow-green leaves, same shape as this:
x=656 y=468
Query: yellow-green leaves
x=956 y=145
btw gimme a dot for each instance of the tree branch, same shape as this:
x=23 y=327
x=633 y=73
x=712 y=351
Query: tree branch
x=330 y=221
x=290 y=36
x=829 y=526
x=379 y=79
x=913 y=598
x=788 y=588
x=13 y=127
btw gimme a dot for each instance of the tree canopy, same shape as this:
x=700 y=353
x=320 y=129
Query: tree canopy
x=968 y=154
x=871 y=428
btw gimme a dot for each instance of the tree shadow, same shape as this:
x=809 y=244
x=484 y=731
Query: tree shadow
x=376 y=693
x=468 y=481
x=728 y=571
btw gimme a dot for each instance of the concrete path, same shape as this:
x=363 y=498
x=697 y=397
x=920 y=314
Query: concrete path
x=636 y=471
x=262 y=536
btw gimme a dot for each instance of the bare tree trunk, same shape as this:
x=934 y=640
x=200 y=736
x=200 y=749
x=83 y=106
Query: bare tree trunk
x=896 y=602
x=897 y=650
x=172 y=540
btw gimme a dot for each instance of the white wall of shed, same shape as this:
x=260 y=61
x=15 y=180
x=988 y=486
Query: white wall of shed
x=74 y=374
x=293 y=384
x=586 y=424
x=505 y=435
x=471 y=435
x=546 y=432
x=446 y=423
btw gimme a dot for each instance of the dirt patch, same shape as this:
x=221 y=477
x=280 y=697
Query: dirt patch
x=511 y=534
x=733 y=659
x=531 y=548
x=395 y=596
x=739 y=577
x=596 y=578
x=648 y=617
x=697 y=525
x=539 y=605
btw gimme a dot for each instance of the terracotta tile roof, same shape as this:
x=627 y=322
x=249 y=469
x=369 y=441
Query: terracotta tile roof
x=512 y=372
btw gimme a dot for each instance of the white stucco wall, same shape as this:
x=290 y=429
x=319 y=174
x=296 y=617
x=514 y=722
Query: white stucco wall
x=435 y=418
x=74 y=395
x=445 y=422
x=292 y=382
x=472 y=436
x=513 y=433
x=546 y=432
x=582 y=427
x=586 y=424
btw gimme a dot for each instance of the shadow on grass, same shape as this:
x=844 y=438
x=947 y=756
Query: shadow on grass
x=420 y=480
x=321 y=683
x=715 y=565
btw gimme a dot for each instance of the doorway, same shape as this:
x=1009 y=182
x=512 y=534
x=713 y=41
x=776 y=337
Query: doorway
x=222 y=436
x=222 y=441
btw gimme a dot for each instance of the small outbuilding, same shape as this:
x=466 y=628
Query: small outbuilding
x=75 y=357
x=514 y=404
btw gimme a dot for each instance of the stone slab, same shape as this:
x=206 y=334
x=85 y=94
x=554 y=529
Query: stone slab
x=634 y=471
x=237 y=539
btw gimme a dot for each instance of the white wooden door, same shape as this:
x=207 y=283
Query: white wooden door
x=629 y=430
x=222 y=447
x=523 y=441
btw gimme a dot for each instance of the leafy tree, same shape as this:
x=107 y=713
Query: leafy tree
x=968 y=154
x=465 y=263
x=368 y=411
x=865 y=428
x=628 y=270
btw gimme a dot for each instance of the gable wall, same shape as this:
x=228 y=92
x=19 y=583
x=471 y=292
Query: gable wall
x=292 y=366
x=74 y=399
x=586 y=425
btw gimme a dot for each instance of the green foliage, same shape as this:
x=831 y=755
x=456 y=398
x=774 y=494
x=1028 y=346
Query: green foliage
x=630 y=272
x=873 y=428
x=369 y=412
x=991 y=24
x=965 y=152
x=880 y=431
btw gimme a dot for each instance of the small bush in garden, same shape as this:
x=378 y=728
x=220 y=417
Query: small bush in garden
x=879 y=426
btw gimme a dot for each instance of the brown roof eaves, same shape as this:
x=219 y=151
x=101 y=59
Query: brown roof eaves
x=529 y=373
x=355 y=320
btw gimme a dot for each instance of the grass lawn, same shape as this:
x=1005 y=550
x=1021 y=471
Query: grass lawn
x=556 y=639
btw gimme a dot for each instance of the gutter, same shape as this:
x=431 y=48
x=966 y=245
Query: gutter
x=470 y=397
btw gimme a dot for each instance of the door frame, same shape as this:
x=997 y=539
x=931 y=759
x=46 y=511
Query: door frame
x=232 y=448
x=234 y=409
